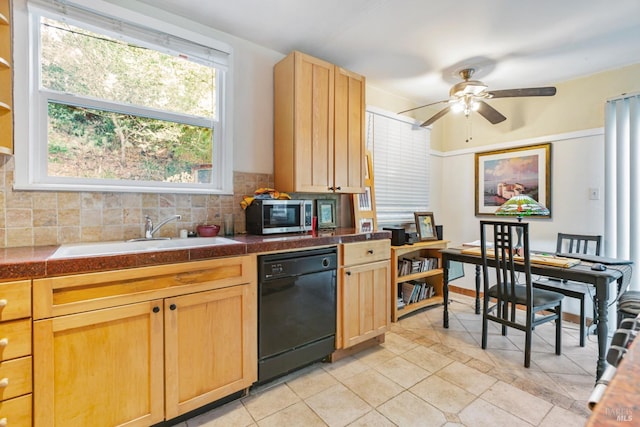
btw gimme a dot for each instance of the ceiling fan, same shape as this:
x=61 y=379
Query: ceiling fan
x=470 y=95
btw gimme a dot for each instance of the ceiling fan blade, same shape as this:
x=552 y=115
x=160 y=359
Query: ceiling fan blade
x=436 y=116
x=532 y=91
x=422 y=106
x=490 y=113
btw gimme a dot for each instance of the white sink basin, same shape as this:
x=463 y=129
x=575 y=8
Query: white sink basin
x=76 y=250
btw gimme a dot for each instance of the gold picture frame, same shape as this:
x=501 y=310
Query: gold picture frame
x=502 y=174
x=425 y=226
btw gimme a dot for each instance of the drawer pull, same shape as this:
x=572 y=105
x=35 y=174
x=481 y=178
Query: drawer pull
x=3 y=422
x=4 y=382
x=156 y=309
x=4 y=342
x=3 y=302
x=370 y=251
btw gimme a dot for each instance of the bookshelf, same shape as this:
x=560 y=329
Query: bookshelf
x=429 y=278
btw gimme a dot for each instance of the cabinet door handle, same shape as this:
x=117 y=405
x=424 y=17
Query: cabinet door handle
x=370 y=251
x=172 y=307
x=331 y=188
x=4 y=382
x=348 y=273
x=338 y=188
x=3 y=422
x=4 y=342
x=156 y=309
x=3 y=302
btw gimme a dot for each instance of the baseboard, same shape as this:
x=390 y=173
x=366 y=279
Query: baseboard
x=569 y=317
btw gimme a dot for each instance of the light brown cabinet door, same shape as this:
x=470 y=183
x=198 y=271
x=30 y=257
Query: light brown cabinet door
x=365 y=302
x=313 y=126
x=210 y=346
x=100 y=368
x=349 y=132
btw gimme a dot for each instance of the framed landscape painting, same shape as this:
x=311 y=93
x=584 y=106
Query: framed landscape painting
x=502 y=174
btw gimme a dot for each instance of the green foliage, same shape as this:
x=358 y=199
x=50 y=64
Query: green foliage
x=109 y=145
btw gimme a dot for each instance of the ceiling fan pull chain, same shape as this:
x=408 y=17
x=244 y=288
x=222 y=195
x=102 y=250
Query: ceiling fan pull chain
x=469 y=129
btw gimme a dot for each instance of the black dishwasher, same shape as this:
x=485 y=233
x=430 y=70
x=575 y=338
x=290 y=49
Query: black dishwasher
x=296 y=310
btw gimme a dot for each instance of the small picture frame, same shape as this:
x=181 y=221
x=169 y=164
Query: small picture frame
x=365 y=225
x=326 y=212
x=425 y=226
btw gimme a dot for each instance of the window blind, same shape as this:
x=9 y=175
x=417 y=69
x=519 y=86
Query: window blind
x=83 y=16
x=622 y=178
x=400 y=165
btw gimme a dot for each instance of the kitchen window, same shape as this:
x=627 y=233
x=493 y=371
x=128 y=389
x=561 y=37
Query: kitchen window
x=401 y=159
x=115 y=106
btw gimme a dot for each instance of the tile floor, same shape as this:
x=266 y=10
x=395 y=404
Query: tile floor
x=424 y=375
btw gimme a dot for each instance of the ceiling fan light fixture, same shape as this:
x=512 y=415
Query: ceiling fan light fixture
x=458 y=106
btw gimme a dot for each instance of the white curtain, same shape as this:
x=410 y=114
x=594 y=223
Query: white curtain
x=622 y=180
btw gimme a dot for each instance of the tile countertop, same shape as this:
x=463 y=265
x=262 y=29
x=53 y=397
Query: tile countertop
x=33 y=262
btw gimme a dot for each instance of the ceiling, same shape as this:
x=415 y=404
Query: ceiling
x=413 y=48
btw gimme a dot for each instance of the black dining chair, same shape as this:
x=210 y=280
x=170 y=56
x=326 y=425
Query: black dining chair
x=573 y=244
x=509 y=296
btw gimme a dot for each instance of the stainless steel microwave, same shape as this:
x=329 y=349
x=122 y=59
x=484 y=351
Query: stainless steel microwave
x=269 y=216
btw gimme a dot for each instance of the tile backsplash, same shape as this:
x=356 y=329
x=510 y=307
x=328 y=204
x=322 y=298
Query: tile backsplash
x=35 y=218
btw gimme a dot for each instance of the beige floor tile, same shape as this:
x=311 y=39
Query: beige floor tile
x=562 y=417
x=298 y=414
x=403 y=372
x=483 y=414
x=373 y=387
x=231 y=414
x=338 y=406
x=517 y=402
x=467 y=378
x=372 y=419
x=313 y=380
x=374 y=356
x=442 y=394
x=427 y=358
x=397 y=344
x=264 y=402
x=408 y=410
x=345 y=368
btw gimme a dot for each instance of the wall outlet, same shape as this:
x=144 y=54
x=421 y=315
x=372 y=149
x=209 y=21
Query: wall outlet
x=594 y=194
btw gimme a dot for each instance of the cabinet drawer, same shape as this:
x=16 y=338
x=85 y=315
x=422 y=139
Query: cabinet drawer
x=15 y=339
x=363 y=252
x=15 y=300
x=15 y=377
x=17 y=411
x=57 y=296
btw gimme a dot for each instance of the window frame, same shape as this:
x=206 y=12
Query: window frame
x=31 y=115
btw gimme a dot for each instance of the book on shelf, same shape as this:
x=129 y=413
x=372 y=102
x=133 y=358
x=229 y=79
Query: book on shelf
x=415 y=290
x=416 y=265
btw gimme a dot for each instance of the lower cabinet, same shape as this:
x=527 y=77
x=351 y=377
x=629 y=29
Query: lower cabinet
x=364 y=292
x=190 y=341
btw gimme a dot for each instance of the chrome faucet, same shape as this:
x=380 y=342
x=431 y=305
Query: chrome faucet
x=149 y=229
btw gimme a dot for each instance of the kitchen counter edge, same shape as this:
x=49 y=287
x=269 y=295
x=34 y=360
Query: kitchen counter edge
x=34 y=262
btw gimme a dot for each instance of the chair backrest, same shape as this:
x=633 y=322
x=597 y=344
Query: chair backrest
x=578 y=243
x=505 y=236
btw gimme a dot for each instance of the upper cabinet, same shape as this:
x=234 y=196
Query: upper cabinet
x=6 y=72
x=318 y=126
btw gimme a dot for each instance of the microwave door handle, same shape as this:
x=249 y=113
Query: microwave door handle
x=302 y=214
